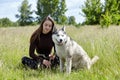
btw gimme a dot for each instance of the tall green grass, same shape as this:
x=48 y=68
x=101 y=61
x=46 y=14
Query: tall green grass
x=14 y=43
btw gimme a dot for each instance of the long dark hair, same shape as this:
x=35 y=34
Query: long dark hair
x=37 y=32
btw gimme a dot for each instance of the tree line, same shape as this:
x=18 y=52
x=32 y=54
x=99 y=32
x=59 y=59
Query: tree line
x=94 y=11
x=104 y=14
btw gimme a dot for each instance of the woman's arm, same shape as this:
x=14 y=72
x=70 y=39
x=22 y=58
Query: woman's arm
x=32 y=53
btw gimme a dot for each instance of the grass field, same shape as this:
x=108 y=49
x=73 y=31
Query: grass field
x=14 y=43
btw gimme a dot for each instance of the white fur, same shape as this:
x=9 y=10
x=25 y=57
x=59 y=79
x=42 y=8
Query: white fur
x=70 y=52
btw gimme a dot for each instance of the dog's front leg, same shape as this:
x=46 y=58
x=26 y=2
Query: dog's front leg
x=62 y=65
x=68 y=64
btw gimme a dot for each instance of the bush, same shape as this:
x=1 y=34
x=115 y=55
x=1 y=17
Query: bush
x=5 y=22
x=116 y=19
x=105 y=20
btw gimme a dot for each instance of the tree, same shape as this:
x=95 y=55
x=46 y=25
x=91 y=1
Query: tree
x=103 y=14
x=113 y=6
x=59 y=16
x=71 y=20
x=54 y=8
x=45 y=8
x=6 y=22
x=111 y=13
x=92 y=11
x=25 y=17
x=105 y=19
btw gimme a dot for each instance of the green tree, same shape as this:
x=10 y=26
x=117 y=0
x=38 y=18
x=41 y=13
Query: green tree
x=113 y=6
x=6 y=22
x=71 y=20
x=54 y=8
x=103 y=14
x=25 y=17
x=111 y=13
x=92 y=11
x=59 y=16
x=105 y=19
x=45 y=8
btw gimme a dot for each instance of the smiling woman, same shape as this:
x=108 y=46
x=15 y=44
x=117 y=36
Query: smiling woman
x=41 y=42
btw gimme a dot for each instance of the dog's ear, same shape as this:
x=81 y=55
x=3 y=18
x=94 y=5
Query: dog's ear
x=63 y=28
x=54 y=29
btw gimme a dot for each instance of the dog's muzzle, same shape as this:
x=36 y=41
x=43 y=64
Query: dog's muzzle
x=60 y=43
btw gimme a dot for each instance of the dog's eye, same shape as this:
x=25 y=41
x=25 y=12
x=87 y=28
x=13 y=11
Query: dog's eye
x=62 y=35
x=57 y=34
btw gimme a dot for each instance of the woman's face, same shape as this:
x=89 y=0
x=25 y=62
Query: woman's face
x=47 y=26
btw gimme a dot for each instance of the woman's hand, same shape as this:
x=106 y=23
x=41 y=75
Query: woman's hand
x=46 y=63
x=51 y=56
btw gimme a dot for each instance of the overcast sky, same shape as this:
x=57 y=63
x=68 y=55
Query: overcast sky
x=8 y=8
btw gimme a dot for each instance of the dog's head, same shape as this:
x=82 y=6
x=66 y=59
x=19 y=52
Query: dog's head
x=59 y=36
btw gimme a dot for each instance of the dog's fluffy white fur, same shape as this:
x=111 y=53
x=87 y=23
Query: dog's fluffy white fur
x=71 y=52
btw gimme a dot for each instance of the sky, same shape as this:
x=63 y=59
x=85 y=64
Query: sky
x=9 y=8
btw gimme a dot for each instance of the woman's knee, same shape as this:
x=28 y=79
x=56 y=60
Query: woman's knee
x=29 y=62
x=25 y=60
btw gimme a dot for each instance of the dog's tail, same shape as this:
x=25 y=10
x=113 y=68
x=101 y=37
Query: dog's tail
x=94 y=60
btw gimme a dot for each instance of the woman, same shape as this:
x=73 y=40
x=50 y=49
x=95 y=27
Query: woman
x=41 y=42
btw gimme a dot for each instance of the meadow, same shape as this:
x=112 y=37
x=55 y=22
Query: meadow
x=14 y=44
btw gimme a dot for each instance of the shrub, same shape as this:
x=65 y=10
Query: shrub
x=105 y=20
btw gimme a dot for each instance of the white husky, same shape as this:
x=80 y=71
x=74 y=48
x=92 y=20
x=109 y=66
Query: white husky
x=70 y=52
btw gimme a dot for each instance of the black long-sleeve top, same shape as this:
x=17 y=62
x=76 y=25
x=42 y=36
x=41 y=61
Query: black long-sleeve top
x=42 y=46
